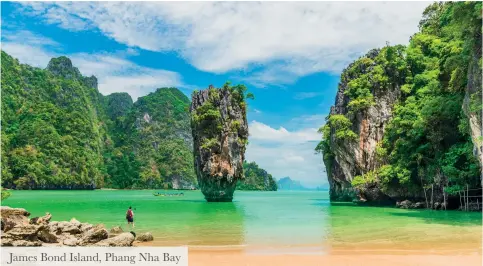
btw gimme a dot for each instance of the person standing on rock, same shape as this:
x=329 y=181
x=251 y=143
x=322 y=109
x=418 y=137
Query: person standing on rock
x=130 y=217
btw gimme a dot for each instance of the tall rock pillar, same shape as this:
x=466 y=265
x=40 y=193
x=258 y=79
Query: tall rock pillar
x=220 y=135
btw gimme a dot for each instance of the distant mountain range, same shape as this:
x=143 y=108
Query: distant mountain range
x=286 y=183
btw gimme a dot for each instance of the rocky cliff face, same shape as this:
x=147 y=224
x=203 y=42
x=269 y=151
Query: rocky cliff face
x=159 y=134
x=62 y=67
x=472 y=102
x=220 y=133
x=406 y=124
x=355 y=157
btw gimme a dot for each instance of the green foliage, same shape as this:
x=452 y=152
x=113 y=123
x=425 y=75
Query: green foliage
x=362 y=180
x=385 y=176
x=476 y=104
x=52 y=136
x=157 y=129
x=207 y=118
x=59 y=132
x=377 y=71
x=250 y=96
x=235 y=125
x=427 y=140
x=460 y=166
x=209 y=143
x=341 y=128
x=256 y=179
x=429 y=133
x=5 y=193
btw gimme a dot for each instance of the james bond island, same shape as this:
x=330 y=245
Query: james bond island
x=220 y=135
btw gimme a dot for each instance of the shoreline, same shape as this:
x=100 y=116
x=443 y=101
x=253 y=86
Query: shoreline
x=461 y=248
x=333 y=202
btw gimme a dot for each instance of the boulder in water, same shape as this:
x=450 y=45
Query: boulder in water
x=145 y=237
x=12 y=217
x=69 y=227
x=94 y=235
x=116 y=230
x=41 y=220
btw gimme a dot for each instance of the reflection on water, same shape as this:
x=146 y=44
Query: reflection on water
x=263 y=221
x=289 y=223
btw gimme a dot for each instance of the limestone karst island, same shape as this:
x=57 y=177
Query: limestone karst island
x=252 y=133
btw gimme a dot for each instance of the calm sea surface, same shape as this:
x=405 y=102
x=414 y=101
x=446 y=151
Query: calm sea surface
x=261 y=220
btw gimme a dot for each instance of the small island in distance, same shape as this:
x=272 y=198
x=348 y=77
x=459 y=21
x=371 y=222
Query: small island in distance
x=286 y=183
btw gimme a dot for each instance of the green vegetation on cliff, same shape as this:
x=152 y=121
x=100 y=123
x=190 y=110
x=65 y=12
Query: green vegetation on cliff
x=52 y=133
x=377 y=71
x=59 y=132
x=208 y=119
x=256 y=178
x=4 y=194
x=428 y=140
x=158 y=145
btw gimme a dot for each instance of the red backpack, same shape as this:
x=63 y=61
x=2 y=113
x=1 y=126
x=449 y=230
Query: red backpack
x=129 y=213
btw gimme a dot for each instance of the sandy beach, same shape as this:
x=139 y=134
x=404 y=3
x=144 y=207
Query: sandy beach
x=236 y=259
x=461 y=253
x=199 y=257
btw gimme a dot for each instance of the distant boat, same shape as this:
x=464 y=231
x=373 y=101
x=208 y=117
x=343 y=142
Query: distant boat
x=158 y=194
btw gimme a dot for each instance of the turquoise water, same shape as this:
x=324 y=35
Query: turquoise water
x=258 y=219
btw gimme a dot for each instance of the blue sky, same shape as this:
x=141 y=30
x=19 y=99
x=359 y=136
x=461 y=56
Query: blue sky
x=289 y=55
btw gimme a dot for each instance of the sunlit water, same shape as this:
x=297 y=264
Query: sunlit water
x=262 y=220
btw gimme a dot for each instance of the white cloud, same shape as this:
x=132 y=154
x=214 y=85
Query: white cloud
x=29 y=48
x=287 y=153
x=24 y=36
x=260 y=131
x=28 y=54
x=291 y=158
x=117 y=74
x=285 y=40
x=114 y=72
